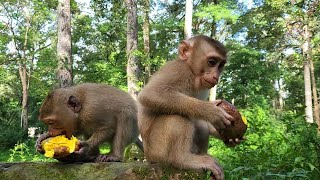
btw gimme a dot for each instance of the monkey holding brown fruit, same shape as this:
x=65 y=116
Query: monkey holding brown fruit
x=174 y=118
x=100 y=113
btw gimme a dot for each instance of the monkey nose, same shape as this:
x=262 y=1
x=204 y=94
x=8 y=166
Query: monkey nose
x=214 y=81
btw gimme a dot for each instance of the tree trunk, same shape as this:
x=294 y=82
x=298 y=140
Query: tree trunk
x=308 y=35
x=281 y=92
x=188 y=19
x=307 y=79
x=64 y=72
x=24 y=80
x=213 y=91
x=308 y=98
x=278 y=102
x=146 y=39
x=133 y=70
x=24 y=111
x=314 y=93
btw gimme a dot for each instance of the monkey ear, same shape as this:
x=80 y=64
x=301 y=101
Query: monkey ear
x=74 y=104
x=184 y=50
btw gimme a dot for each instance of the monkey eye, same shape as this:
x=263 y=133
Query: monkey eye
x=212 y=62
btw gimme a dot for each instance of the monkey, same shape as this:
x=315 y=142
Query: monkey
x=99 y=112
x=175 y=119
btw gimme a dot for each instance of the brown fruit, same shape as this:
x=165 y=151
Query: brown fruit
x=237 y=127
x=61 y=151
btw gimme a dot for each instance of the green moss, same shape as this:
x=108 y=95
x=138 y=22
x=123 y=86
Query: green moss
x=116 y=170
x=167 y=172
x=142 y=171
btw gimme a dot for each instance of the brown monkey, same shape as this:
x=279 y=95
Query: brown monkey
x=173 y=117
x=100 y=113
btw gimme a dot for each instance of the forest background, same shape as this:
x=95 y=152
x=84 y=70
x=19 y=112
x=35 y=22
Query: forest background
x=272 y=75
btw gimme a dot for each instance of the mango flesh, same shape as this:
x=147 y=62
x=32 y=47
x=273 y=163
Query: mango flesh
x=238 y=127
x=59 y=146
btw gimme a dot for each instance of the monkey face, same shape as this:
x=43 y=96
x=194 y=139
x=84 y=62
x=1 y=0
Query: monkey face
x=59 y=124
x=212 y=71
x=60 y=112
x=207 y=63
x=55 y=126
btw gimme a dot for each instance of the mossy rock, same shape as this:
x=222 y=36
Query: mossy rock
x=94 y=171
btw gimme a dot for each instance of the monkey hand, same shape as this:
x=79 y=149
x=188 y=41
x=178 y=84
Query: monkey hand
x=110 y=157
x=79 y=155
x=230 y=142
x=72 y=158
x=234 y=142
x=38 y=144
x=213 y=131
x=83 y=149
x=217 y=116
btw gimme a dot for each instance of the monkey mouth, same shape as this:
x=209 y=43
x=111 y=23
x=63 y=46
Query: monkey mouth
x=63 y=132
x=66 y=134
x=57 y=132
x=211 y=83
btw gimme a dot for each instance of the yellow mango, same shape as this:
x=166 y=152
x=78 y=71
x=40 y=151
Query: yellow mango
x=59 y=146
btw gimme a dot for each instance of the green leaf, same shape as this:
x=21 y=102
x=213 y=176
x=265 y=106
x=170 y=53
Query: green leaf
x=298 y=160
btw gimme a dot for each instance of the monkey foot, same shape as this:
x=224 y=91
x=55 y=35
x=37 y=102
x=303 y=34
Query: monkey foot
x=107 y=158
x=212 y=176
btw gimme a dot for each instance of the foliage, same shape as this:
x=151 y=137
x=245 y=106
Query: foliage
x=263 y=27
x=247 y=78
x=281 y=146
x=104 y=34
x=10 y=133
x=217 y=12
x=25 y=152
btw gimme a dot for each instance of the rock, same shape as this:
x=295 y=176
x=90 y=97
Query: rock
x=94 y=171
